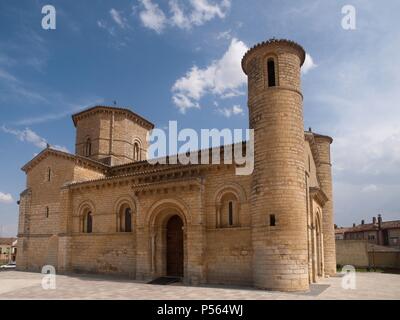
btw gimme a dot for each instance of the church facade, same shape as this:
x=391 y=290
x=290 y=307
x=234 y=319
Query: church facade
x=107 y=210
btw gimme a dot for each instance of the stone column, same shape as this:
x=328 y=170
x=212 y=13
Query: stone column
x=143 y=253
x=65 y=231
x=194 y=269
x=23 y=230
x=195 y=239
x=218 y=215
x=324 y=172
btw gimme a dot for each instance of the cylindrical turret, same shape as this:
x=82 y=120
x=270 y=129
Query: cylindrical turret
x=324 y=171
x=278 y=199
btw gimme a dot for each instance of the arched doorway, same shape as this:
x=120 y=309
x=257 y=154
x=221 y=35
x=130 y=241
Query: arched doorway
x=175 y=247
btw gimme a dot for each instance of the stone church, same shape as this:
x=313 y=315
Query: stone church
x=106 y=210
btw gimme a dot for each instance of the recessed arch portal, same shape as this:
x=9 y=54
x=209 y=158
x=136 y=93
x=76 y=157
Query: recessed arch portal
x=168 y=220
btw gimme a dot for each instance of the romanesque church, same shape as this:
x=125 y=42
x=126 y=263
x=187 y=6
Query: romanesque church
x=106 y=210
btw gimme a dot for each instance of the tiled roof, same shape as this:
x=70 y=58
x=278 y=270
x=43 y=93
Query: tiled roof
x=7 y=241
x=274 y=41
x=341 y=230
x=142 y=120
x=391 y=224
x=363 y=227
x=49 y=150
x=374 y=226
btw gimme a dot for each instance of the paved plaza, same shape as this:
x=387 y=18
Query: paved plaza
x=25 y=285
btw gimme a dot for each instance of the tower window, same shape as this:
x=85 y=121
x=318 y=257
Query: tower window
x=89 y=223
x=136 y=152
x=49 y=174
x=88 y=148
x=230 y=213
x=47 y=212
x=272 y=220
x=271 y=72
x=128 y=220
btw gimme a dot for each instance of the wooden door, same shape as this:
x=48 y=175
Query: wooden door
x=175 y=247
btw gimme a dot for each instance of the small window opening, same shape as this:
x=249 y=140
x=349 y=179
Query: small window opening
x=272 y=220
x=230 y=213
x=271 y=73
x=89 y=223
x=88 y=148
x=128 y=220
x=136 y=152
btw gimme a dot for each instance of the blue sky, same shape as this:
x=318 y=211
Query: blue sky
x=180 y=60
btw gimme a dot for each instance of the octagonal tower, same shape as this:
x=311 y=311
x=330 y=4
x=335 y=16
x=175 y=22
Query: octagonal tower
x=111 y=135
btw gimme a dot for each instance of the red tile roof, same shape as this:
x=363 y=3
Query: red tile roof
x=7 y=241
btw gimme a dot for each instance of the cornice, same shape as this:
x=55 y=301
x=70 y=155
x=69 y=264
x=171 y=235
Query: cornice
x=276 y=42
x=101 y=167
x=96 y=109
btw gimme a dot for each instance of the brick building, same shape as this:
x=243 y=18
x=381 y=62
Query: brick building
x=105 y=209
x=7 y=250
x=383 y=233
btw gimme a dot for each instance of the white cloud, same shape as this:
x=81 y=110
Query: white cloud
x=369 y=188
x=357 y=104
x=228 y=112
x=204 y=11
x=364 y=156
x=18 y=88
x=118 y=18
x=223 y=78
x=28 y=135
x=103 y=25
x=308 y=64
x=152 y=16
x=6 y=60
x=6 y=198
x=184 y=14
x=183 y=102
x=41 y=119
x=70 y=108
x=7 y=76
x=226 y=35
x=178 y=18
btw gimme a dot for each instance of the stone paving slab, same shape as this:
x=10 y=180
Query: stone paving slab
x=25 y=285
